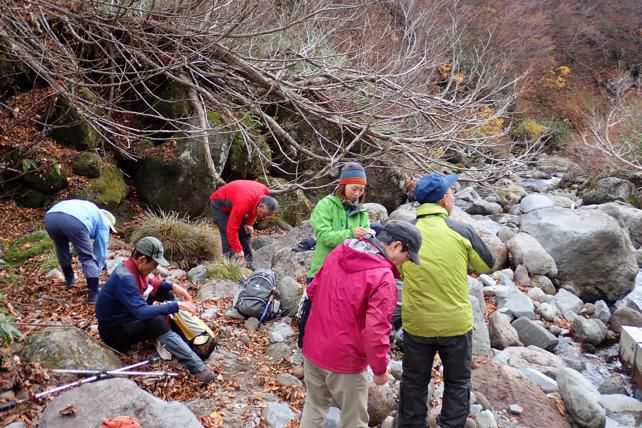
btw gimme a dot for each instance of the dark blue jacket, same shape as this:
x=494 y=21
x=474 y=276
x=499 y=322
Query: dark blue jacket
x=121 y=298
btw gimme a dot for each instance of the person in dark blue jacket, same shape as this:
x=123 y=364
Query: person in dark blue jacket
x=132 y=308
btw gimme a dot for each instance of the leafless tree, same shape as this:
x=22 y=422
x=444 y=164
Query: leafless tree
x=372 y=80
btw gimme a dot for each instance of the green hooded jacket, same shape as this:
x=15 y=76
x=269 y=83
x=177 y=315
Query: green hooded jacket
x=332 y=225
x=435 y=299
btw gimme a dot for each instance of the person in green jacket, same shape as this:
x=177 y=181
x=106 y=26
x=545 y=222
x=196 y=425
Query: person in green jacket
x=339 y=216
x=436 y=310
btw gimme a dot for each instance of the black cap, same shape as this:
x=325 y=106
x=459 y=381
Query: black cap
x=408 y=234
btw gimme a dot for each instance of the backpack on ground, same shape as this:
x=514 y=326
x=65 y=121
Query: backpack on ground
x=257 y=296
x=195 y=332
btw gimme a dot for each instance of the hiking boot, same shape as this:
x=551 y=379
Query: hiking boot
x=92 y=286
x=70 y=278
x=163 y=353
x=206 y=375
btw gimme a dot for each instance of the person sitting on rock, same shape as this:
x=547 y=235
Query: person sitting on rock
x=235 y=207
x=79 y=222
x=129 y=308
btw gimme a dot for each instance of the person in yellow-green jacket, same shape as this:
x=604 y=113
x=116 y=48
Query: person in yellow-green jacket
x=340 y=216
x=436 y=310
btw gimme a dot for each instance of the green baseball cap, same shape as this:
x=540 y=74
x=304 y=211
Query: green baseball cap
x=152 y=247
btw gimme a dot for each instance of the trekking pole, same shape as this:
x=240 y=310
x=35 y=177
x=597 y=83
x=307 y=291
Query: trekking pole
x=13 y=403
x=112 y=373
x=267 y=307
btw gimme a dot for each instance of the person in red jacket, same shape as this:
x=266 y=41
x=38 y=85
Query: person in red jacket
x=352 y=299
x=236 y=206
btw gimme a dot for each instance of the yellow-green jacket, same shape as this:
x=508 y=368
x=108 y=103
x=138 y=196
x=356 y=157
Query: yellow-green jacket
x=435 y=293
x=332 y=224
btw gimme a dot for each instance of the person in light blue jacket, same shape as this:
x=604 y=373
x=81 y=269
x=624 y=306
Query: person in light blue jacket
x=79 y=222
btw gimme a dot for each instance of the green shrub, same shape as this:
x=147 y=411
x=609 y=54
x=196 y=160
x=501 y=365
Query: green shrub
x=8 y=331
x=186 y=242
x=227 y=268
x=528 y=129
x=558 y=130
x=31 y=245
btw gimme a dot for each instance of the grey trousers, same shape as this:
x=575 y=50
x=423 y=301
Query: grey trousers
x=64 y=228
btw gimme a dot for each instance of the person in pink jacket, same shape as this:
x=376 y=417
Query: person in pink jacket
x=352 y=299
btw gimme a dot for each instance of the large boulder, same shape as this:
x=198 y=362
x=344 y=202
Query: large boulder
x=495 y=245
x=377 y=213
x=581 y=398
x=526 y=251
x=531 y=333
x=589 y=330
x=295 y=264
x=87 y=164
x=68 y=127
x=218 y=288
x=68 y=348
x=588 y=247
x=108 y=190
x=503 y=385
x=93 y=402
x=521 y=357
x=628 y=217
x=481 y=338
x=294 y=206
x=610 y=189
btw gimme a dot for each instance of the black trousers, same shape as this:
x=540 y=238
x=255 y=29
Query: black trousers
x=122 y=334
x=419 y=352
x=221 y=219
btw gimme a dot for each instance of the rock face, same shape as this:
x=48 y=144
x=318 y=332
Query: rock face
x=628 y=217
x=68 y=348
x=526 y=251
x=581 y=398
x=115 y=397
x=503 y=386
x=588 y=247
x=610 y=189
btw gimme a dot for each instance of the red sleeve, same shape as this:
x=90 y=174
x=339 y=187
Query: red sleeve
x=375 y=335
x=234 y=224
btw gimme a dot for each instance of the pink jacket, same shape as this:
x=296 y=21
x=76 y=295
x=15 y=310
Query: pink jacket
x=353 y=296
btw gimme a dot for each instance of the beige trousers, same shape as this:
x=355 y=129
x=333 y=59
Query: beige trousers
x=349 y=391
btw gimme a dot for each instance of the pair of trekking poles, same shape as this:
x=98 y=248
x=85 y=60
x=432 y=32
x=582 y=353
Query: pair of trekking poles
x=96 y=375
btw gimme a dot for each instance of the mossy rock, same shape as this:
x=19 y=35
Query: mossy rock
x=249 y=164
x=48 y=181
x=27 y=197
x=87 y=164
x=14 y=74
x=68 y=128
x=30 y=245
x=108 y=190
x=173 y=101
x=294 y=206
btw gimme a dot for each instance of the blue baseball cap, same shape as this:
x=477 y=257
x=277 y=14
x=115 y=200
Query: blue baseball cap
x=432 y=187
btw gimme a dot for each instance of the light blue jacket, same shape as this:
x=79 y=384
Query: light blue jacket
x=89 y=214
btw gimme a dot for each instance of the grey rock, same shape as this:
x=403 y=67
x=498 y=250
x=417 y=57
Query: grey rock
x=532 y=334
x=510 y=192
x=571 y=353
x=589 y=330
x=467 y=194
x=290 y=292
x=262 y=241
x=519 y=304
x=525 y=250
x=481 y=338
x=294 y=264
x=275 y=337
x=610 y=189
x=482 y=207
x=406 y=212
x=515 y=409
x=567 y=301
x=634 y=299
x=573 y=237
x=197 y=274
x=69 y=348
x=487 y=280
x=520 y=357
x=475 y=409
x=617 y=404
x=521 y=275
x=486 y=419
x=288 y=379
x=381 y=401
x=251 y=324
x=614 y=384
x=496 y=246
x=218 y=288
x=112 y=397
x=333 y=420
x=624 y=315
x=504 y=276
x=547 y=384
x=505 y=234
x=638 y=256
x=234 y=314
x=628 y=217
x=548 y=312
x=55 y=274
x=278 y=351
x=16 y=425
x=278 y=415
x=538 y=295
x=535 y=201
x=555 y=330
x=543 y=282
x=377 y=213
x=176 y=275
x=581 y=398
x=283 y=329
x=475 y=289
x=602 y=311
x=502 y=333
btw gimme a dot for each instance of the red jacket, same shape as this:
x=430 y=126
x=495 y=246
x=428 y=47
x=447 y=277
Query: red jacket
x=238 y=198
x=353 y=296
